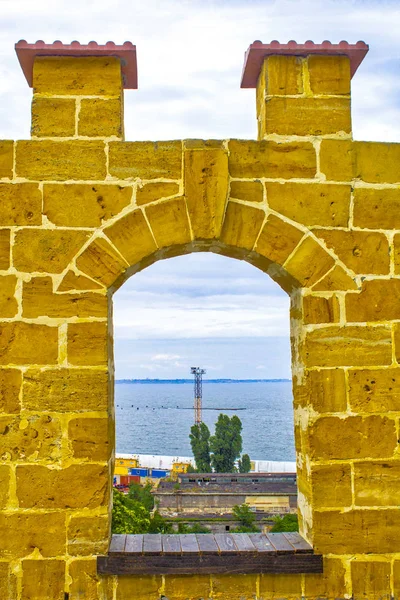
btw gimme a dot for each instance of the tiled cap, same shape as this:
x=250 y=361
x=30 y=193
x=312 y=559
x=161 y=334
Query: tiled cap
x=257 y=51
x=126 y=53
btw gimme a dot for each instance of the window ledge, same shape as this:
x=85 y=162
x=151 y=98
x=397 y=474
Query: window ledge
x=209 y=553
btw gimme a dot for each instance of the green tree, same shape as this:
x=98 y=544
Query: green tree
x=226 y=444
x=158 y=524
x=200 y=442
x=246 y=517
x=288 y=522
x=244 y=464
x=142 y=493
x=128 y=516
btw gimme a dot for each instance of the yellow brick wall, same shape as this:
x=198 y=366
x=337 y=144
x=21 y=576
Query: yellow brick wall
x=82 y=210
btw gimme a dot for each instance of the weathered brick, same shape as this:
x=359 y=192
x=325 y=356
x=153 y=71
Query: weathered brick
x=80 y=76
x=46 y=250
x=132 y=236
x=376 y=208
x=377 y=162
x=396 y=577
x=370 y=579
x=72 y=282
x=330 y=583
x=337 y=160
x=36 y=437
x=139 y=587
x=281 y=76
x=28 y=343
x=87 y=343
x=86 y=584
x=22 y=532
x=252 y=159
x=331 y=486
x=234 y=586
x=169 y=222
x=287 y=586
x=43 y=579
x=250 y=191
x=377 y=301
x=8 y=582
x=4 y=248
x=324 y=390
x=321 y=310
x=101 y=117
x=6 y=158
x=374 y=390
x=362 y=251
x=320 y=204
x=329 y=74
x=77 y=486
x=334 y=438
x=38 y=300
x=278 y=239
x=60 y=160
x=396 y=240
x=53 y=117
x=149 y=192
x=80 y=205
x=21 y=204
x=145 y=160
x=101 y=262
x=90 y=438
x=8 y=302
x=65 y=390
x=10 y=386
x=347 y=346
x=309 y=262
x=377 y=483
x=242 y=225
x=336 y=280
x=5 y=477
x=87 y=535
x=190 y=587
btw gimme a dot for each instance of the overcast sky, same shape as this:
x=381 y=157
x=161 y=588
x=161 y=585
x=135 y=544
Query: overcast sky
x=221 y=314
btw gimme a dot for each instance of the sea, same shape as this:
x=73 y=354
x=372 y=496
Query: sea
x=155 y=418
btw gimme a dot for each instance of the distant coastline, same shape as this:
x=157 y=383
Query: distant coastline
x=180 y=381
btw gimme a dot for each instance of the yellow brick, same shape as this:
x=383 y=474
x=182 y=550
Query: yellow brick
x=87 y=535
x=287 y=586
x=333 y=438
x=101 y=118
x=306 y=116
x=324 y=390
x=321 y=310
x=206 y=189
x=145 y=160
x=323 y=204
x=21 y=204
x=8 y=582
x=132 y=236
x=252 y=159
x=101 y=262
x=337 y=160
x=283 y=75
x=377 y=162
x=362 y=251
x=53 y=117
x=278 y=239
x=8 y=302
x=77 y=486
x=38 y=300
x=374 y=390
x=4 y=248
x=71 y=282
x=235 y=587
x=43 y=579
x=251 y=191
x=22 y=532
x=377 y=484
x=190 y=587
x=57 y=160
x=10 y=386
x=376 y=208
x=30 y=439
x=336 y=280
x=309 y=262
x=90 y=438
x=80 y=205
x=65 y=390
x=377 y=301
x=396 y=577
x=396 y=240
x=86 y=584
x=155 y=191
x=397 y=341
x=28 y=343
x=80 y=76
x=46 y=250
x=330 y=583
x=331 y=486
x=6 y=158
x=242 y=225
x=356 y=531
x=329 y=74
x=5 y=476
x=87 y=343
x=169 y=222
x=370 y=579
x=348 y=346
x=139 y=587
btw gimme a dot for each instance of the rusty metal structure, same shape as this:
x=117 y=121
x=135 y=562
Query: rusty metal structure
x=198 y=393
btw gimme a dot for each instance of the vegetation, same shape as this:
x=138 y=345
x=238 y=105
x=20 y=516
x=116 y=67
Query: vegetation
x=244 y=464
x=226 y=444
x=288 y=522
x=200 y=442
x=132 y=513
x=246 y=517
x=195 y=528
x=142 y=493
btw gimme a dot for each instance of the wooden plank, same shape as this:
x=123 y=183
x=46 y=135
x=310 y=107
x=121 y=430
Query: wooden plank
x=299 y=544
x=134 y=544
x=189 y=543
x=261 y=562
x=117 y=543
x=152 y=543
x=243 y=542
x=207 y=543
x=171 y=544
x=280 y=543
x=225 y=543
x=261 y=542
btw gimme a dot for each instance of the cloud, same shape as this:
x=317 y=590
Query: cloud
x=166 y=357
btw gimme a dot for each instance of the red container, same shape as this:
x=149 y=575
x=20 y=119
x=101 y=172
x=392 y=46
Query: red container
x=128 y=479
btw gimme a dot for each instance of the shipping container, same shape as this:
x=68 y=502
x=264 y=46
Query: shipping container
x=159 y=473
x=139 y=472
x=128 y=479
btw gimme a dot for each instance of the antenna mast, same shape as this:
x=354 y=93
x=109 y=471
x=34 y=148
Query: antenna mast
x=198 y=393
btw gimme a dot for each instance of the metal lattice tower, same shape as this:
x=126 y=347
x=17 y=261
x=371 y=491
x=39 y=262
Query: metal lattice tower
x=198 y=393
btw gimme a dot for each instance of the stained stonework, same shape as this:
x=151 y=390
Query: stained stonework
x=82 y=210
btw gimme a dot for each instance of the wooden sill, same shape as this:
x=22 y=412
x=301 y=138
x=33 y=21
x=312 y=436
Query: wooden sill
x=179 y=554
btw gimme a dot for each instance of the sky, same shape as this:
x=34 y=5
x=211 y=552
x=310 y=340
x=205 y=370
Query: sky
x=203 y=309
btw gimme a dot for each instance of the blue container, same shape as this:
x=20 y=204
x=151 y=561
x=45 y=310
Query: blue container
x=159 y=473
x=139 y=471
